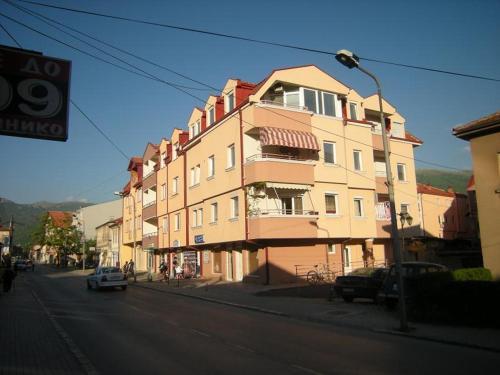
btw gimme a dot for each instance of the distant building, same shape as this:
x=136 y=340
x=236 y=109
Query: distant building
x=55 y=219
x=90 y=217
x=107 y=242
x=484 y=137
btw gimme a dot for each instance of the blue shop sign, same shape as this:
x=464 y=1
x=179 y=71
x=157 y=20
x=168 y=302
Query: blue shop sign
x=199 y=238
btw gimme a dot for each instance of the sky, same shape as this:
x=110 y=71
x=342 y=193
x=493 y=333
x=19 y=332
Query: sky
x=460 y=36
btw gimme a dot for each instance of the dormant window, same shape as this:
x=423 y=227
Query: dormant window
x=175 y=148
x=230 y=101
x=329 y=152
x=211 y=116
x=162 y=159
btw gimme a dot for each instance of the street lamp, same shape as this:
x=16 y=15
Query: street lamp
x=350 y=60
x=405 y=217
x=120 y=194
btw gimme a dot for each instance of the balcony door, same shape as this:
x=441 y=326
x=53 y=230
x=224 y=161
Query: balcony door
x=291 y=206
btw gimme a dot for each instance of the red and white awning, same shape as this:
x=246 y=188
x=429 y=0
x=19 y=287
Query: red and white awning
x=288 y=138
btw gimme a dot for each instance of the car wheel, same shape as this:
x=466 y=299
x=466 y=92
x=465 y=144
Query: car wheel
x=348 y=298
x=124 y=287
x=89 y=286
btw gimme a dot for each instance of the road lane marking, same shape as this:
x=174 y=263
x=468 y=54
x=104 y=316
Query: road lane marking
x=244 y=348
x=72 y=317
x=308 y=370
x=82 y=359
x=201 y=333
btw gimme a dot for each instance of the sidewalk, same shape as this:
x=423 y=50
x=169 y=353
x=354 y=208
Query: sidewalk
x=358 y=315
x=29 y=341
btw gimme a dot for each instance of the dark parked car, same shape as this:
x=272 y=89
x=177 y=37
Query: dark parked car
x=389 y=291
x=360 y=283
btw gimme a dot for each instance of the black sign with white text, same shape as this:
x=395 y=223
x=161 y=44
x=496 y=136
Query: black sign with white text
x=34 y=95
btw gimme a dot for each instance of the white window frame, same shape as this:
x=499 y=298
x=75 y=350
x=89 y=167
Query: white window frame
x=235 y=207
x=407 y=205
x=360 y=153
x=199 y=219
x=227 y=106
x=162 y=160
x=303 y=99
x=175 y=185
x=138 y=195
x=405 y=177
x=211 y=166
x=175 y=147
x=214 y=213
x=361 y=206
x=285 y=98
x=194 y=218
x=211 y=115
x=334 y=144
x=354 y=116
x=336 y=196
x=331 y=248
x=177 y=222
x=321 y=96
x=231 y=156
x=165 y=224
x=163 y=193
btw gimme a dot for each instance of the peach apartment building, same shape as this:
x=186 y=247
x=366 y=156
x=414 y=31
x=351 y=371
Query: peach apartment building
x=273 y=178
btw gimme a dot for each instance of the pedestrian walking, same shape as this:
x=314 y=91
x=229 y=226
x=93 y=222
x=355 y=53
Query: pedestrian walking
x=125 y=268
x=131 y=268
x=8 y=277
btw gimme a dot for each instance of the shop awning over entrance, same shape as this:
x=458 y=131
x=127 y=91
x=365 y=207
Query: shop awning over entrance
x=289 y=138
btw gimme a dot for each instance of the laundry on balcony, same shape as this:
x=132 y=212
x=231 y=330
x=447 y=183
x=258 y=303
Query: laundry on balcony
x=288 y=138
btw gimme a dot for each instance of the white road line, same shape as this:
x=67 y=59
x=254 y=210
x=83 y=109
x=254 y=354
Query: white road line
x=200 y=332
x=244 y=348
x=82 y=359
x=308 y=370
x=71 y=317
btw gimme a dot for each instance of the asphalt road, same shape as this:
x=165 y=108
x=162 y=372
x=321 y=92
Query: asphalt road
x=140 y=331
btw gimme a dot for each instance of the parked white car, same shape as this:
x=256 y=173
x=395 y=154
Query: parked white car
x=107 y=277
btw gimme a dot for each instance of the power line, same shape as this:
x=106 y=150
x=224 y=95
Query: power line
x=258 y=41
x=10 y=35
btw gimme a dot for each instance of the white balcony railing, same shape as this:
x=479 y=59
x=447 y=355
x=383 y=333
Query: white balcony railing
x=283 y=105
x=281 y=213
x=277 y=157
x=382 y=211
x=148 y=204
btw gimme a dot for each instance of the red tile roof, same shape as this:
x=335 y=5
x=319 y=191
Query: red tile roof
x=471 y=185
x=61 y=219
x=432 y=190
x=485 y=125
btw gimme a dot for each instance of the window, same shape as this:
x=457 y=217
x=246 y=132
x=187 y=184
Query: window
x=138 y=222
x=216 y=264
x=310 y=100
x=174 y=150
x=195 y=175
x=320 y=102
x=194 y=219
x=292 y=205
x=231 y=157
x=163 y=194
x=199 y=220
x=347 y=257
x=397 y=130
x=331 y=203
x=401 y=172
x=329 y=152
x=162 y=159
x=358 y=207
x=353 y=108
x=211 y=115
x=358 y=162
x=234 y=208
x=211 y=166
x=230 y=102
x=175 y=185
x=214 y=213
x=177 y=222
x=405 y=208
x=194 y=130
x=138 y=195
x=331 y=248
x=328 y=104
x=164 y=225
x=292 y=99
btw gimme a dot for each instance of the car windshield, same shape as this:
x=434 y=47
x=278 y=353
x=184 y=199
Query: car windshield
x=110 y=270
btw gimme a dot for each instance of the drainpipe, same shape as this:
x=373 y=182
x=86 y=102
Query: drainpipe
x=242 y=174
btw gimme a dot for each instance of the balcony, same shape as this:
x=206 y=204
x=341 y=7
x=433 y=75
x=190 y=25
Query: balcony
x=383 y=219
x=149 y=180
x=149 y=211
x=150 y=240
x=278 y=168
x=272 y=224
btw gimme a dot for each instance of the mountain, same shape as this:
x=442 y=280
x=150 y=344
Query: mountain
x=26 y=216
x=444 y=179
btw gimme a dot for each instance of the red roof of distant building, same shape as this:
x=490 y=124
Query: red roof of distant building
x=432 y=190
x=61 y=219
x=471 y=185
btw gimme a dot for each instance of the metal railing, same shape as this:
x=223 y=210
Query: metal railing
x=267 y=156
x=145 y=205
x=382 y=211
x=282 y=212
x=283 y=105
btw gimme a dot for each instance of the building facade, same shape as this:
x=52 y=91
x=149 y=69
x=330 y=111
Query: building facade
x=273 y=178
x=484 y=137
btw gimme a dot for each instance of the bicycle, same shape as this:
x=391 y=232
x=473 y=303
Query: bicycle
x=321 y=274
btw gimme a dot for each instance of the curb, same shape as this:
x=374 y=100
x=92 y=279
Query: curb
x=323 y=321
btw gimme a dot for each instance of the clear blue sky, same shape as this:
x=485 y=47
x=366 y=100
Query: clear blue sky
x=462 y=36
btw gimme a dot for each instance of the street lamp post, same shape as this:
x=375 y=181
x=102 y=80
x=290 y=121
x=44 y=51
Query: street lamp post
x=350 y=60
x=134 y=257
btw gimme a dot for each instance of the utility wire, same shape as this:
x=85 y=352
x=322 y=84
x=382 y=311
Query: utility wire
x=258 y=41
x=10 y=35
x=199 y=82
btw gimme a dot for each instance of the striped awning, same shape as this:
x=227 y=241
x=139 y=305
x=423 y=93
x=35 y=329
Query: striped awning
x=288 y=138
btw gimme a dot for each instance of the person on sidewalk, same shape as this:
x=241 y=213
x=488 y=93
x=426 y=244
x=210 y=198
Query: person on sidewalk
x=8 y=277
x=125 y=268
x=131 y=268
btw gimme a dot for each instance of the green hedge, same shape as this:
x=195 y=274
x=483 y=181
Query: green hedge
x=472 y=274
x=437 y=297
